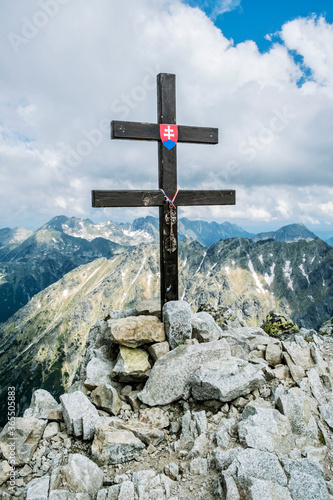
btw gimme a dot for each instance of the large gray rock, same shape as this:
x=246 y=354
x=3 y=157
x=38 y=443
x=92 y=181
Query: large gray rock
x=230 y=487
x=295 y=406
x=243 y=340
x=112 y=493
x=132 y=365
x=67 y=495
x=300 y=354
x=158 y=350
x=259 y=465
x=265 y=429
x=273 y=354
x=305 y=480
x=145 y=432
x=136 y=330
x=51 y=430
x=169 y=379
x=80 y=475
x=98 y=372
x=326 y=411
x=177 y=322
x=296 y=371
x=317 y=387
x=250 y=472
x=257 y=489
x=142 y=482
x=23 y=440
x=226 y=380
x=322 y=367
x=38 y=489
x=126 y=491
x=224 y=432
x=149 y=485
x=44 y=406
x=113 y=446
x=81 y=417
x=204 y=327
x=224 y=458
x=106 y=397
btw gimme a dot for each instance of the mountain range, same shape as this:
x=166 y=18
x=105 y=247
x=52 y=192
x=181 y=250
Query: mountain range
x=45 y=339
x=31 y=261
x=145 y=230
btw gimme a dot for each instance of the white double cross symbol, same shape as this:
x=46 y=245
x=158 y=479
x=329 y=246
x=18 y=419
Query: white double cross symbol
x=168 y=132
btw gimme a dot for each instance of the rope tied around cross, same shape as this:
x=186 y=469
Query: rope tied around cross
x=169 y=200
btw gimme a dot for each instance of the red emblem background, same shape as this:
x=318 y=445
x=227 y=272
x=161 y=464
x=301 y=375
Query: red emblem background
x=164 y=128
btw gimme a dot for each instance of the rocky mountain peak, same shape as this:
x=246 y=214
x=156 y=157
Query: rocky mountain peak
x=181 y=409
x=291 y=232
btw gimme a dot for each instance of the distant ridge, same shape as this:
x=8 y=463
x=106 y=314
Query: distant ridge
x=291 y=232
x=208 y=233
x=145 y=230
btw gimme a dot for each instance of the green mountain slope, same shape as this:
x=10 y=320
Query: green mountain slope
x=42 y=259
x=43 y=343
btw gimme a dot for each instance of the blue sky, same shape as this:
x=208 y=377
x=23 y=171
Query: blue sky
x=271 y=99
x=243 y=20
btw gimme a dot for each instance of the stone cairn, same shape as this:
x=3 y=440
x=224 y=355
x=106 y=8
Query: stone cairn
x=182 y=409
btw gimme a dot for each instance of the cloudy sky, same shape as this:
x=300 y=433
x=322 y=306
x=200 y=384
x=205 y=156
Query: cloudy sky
x=262 y=72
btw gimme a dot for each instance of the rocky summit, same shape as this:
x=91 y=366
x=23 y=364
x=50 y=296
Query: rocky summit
x=197 y=406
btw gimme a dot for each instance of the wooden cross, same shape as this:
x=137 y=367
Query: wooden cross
x=167 y=179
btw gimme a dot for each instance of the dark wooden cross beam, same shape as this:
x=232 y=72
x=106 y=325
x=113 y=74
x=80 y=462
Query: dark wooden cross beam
x=167 y=179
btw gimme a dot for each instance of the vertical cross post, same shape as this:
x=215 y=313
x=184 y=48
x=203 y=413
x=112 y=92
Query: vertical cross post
x=167 y=179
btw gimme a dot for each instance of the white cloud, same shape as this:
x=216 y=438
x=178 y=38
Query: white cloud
x=275 y=136
x=327 y=208
x=214 y=8
x=227 y=6
x=312 y=38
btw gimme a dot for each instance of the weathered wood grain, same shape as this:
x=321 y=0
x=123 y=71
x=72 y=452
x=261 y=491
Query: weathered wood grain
x=167 y=180
x=136 y=131
x=139 y=198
